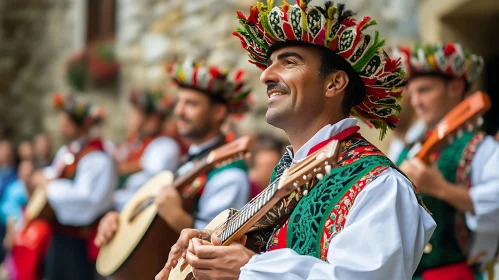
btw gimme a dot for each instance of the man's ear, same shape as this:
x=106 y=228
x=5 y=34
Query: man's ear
x=456 y=87
x=220 y=112
x=337 y=82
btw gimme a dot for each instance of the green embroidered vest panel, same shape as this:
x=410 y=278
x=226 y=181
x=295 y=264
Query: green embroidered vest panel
x=308 y=221
x=316 y=215
x=446 y=246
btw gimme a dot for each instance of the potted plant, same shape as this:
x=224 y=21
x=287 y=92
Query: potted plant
x=102 y=63
x=76 y=70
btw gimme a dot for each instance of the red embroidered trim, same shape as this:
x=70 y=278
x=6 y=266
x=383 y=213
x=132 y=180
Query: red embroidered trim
x=340 y=137
x=463 y=170
x=336 y=220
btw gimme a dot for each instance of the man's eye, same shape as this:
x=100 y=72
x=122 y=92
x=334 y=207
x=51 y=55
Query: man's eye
x=289 y=62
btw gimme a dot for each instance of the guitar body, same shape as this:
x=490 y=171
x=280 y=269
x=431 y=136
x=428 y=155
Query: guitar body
x=140 y=247
x=183 y=271
x=150 y=255
x=38 y=207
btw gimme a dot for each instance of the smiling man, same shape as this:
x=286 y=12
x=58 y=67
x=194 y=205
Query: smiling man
x=362 y=221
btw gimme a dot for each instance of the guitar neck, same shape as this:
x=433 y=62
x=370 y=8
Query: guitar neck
x=430 y=145
x=179 y=183
x=238 y=224
x=185 y=179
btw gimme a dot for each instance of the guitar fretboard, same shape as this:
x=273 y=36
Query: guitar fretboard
x=235 y=222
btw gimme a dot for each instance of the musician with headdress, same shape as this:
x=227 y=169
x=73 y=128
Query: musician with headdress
x=146 y=152
x=461 y=186
x=79 y=186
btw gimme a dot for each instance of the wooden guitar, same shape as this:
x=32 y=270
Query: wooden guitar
x=140 y=247
x=466 y=115
x=230 y=226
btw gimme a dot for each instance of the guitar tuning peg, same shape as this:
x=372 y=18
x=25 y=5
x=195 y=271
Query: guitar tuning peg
x=460 y=133
x=319 y=176
x=470 y=127
x=479 y=121
x=328 y=169
x=305 y=192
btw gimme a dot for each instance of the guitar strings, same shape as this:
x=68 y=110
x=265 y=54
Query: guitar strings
x=253 y=202
x=228 y=222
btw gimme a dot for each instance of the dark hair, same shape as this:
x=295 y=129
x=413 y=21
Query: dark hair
x=355 y=91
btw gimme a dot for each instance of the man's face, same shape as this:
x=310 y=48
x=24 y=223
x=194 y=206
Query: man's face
x=294 y=87
x=430 y=98
x=25 y=170
x=26 y=150
x=194 y=114
x=69 y=129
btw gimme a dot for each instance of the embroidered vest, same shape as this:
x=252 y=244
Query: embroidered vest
x=200 y=182
x=135 y=149
x=449 y=243
x=321 y=215
x=69 y=171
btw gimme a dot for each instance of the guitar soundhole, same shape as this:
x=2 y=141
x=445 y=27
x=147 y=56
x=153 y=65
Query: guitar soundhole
x=141 y=207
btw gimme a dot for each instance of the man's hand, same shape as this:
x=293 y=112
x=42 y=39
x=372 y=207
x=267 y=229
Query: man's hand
x=217 y=262
x=427 y=179
x=179 y=250
x=107 y=229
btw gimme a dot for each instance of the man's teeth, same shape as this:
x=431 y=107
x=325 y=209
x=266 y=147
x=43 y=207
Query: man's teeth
x=276 y=94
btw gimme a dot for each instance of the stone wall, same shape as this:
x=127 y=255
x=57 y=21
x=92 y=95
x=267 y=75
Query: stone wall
x=36 y=36
x=152 y=32
x=29 y=60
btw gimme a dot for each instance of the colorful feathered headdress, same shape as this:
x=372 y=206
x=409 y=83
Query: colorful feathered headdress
x=444 y=59
x=226 y=87
x=334 y=28
x=152 y=101
x=80 y=110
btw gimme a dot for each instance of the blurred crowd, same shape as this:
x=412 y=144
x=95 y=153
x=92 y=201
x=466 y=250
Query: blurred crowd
x=151 y=144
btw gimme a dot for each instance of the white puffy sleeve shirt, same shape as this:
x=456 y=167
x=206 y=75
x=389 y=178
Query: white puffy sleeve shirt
x=484 y=192
x=81 y=201
x=227 y=189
